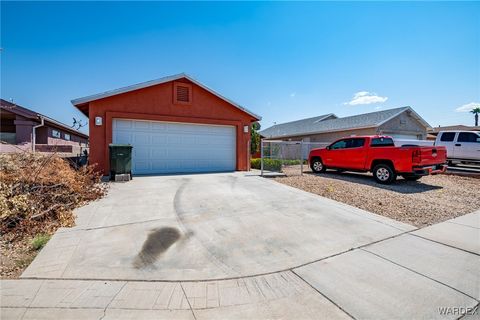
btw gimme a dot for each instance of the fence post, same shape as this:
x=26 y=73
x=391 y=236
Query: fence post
x=261 y=157
x=301 y=157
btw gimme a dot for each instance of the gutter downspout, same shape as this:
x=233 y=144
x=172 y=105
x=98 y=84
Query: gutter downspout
x=34 y=136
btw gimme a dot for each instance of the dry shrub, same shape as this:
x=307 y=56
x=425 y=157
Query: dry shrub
x=39 y=192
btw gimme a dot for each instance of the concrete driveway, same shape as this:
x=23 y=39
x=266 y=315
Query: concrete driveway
x=199 y=227
x=242 y=247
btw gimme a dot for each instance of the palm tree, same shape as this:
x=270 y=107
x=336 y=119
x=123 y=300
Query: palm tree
x=476 y=111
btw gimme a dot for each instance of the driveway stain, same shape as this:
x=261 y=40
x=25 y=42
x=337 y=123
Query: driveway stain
x=158 y=241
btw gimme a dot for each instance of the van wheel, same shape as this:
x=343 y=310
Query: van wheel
x=317 y=165
x=384 y=174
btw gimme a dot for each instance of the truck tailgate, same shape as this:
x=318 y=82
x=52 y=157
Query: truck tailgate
x=425 y=156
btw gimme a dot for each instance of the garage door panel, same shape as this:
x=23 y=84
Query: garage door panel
x=158 y=126
x=123 y=137
x=122 y=124
x=141 y=138
x=142 y=153
x=163 y=147
x=141 y=125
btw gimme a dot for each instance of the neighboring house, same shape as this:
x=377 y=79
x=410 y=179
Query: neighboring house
x=22 y=129
x=175 y=124
x=401 y=123
x=432 y=133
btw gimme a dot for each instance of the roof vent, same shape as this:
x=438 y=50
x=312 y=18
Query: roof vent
x=182 y=93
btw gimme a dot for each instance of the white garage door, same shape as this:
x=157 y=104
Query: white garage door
x=168 y=147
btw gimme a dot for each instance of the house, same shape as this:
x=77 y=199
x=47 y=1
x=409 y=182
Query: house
x=402 y=123
x=175 y=124
x=433 y=132
x=23 y=129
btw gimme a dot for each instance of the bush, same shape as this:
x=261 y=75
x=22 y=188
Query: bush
x=39 y=192
x=39 y=241
x=268 y=164
x=273 y=164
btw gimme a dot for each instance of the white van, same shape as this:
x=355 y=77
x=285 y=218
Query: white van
x=462 y=146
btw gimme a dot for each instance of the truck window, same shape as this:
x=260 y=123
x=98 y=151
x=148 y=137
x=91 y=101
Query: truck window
x=355 y=143
x=468 y=137
x=447 y=136
x=342 y=144
x=382 y=142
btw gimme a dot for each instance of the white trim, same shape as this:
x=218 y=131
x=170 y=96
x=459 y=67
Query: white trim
x=146 y=84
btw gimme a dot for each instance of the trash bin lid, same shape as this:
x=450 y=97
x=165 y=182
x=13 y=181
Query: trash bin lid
x=120 y=145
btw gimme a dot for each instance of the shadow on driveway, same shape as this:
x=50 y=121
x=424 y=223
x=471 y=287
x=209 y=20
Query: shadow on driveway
x=400 y=185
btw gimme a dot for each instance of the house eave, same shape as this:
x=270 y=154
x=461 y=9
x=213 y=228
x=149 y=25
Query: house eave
x=85 y=100
x=319 y=132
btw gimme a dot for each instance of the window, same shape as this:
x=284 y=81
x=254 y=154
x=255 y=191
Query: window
x=355 y=143
x=348 y=143
x=56 y=134
x=67 y=136
x=447 y=136
x=342 y=144
x=182 y=93
x=382 y=142
x=468 y=137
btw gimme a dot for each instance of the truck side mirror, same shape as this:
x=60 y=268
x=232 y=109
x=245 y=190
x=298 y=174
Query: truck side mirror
x=328 y=148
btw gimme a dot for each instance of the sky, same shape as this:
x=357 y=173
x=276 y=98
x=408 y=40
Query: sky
x=282 y=60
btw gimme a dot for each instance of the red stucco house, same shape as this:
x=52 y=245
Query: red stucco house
x=22 y=129
x=175 y=124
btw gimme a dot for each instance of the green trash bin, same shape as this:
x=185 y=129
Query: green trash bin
x=120 y=159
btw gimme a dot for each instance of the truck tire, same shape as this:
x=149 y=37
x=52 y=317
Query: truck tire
x=317 y=165
x=411 y=178
x=384 y=174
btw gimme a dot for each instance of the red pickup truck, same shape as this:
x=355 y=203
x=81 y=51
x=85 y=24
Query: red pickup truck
x=379 y=155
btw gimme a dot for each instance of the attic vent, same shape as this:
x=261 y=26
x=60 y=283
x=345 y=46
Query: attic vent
x=182 y=93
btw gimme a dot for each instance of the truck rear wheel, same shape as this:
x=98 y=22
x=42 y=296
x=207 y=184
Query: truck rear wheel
x=384 y=174
x=317 y=165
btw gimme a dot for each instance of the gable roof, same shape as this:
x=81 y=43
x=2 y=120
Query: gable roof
x=293 y=127
x=309 y=126
x=81 y=101
x=30 y=114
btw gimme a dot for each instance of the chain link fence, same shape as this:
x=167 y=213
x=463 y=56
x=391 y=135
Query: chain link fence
x=285 y=157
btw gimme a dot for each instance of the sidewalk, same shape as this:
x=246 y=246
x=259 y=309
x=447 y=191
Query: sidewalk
x=411 y=275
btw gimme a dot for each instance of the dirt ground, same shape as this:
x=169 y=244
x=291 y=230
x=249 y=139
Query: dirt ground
x=430 y=200
x=15 y=256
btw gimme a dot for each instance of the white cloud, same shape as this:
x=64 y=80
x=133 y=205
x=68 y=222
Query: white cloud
x=365 y=97
x=378 y=108
x=468 y=107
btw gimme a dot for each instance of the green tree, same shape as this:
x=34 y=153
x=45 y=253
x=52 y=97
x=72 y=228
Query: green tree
x=254 y=138
x=476 y=111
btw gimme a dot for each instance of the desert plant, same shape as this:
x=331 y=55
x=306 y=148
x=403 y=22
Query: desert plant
x=39 y=241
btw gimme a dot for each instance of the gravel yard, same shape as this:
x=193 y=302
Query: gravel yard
x=430 y=200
